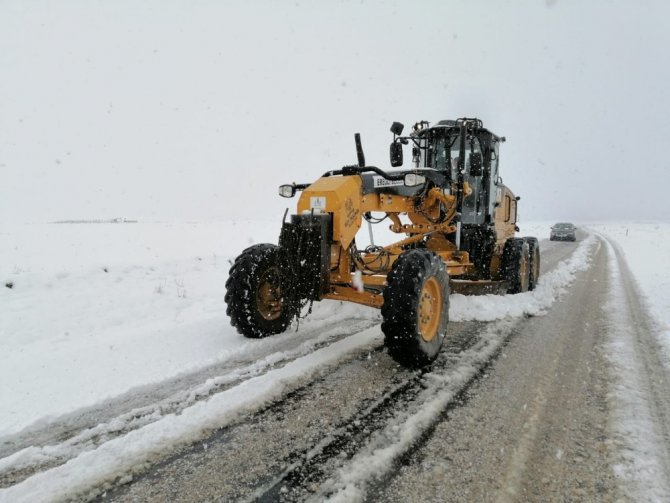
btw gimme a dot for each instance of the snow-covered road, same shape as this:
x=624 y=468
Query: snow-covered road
x=321 y=412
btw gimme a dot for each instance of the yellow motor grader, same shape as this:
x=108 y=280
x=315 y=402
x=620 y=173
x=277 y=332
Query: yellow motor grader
x=454 y=219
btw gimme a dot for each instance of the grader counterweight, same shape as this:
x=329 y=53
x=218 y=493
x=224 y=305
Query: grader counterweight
x=454 y=217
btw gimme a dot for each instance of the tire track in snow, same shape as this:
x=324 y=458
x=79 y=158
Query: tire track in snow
x=26 y=461
x=472 y=349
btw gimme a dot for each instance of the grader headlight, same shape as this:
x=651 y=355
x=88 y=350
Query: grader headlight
x=414 y=179
x=287 y=190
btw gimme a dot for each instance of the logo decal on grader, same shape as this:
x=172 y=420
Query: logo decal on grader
x=380 y=181
x=317 y=203
x=454 y=218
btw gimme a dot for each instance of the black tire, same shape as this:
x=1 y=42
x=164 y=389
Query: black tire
x=253 y=294
x=534 y=255
x=516 y=265
x=418 y=286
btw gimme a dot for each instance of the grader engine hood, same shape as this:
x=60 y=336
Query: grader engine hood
x=339 y=196
x=348 y=197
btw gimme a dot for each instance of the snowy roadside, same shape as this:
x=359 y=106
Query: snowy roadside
x=635 y=397
x=639 y=318
x=646 y=247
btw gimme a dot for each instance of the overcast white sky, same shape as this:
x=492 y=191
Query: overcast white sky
x=197 y=110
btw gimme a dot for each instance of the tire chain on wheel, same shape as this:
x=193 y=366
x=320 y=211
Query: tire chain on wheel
x=241 y=289
x=511 y=260
x=401 y=303
x=534 y=255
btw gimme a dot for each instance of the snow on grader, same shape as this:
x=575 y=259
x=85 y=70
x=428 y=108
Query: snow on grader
x=455 y=220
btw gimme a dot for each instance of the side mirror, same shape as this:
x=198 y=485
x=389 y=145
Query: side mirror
x=476 y=164
x=396 y=154
x=396 y=128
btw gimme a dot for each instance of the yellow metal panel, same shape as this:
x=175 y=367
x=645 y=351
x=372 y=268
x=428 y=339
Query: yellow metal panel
x=387 y=203
x=351 y=295
x=341 y=196
x=505 y=215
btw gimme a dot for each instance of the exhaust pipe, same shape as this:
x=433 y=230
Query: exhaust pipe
x=359 y=150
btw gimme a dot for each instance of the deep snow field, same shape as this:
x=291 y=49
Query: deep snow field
x=98 y=309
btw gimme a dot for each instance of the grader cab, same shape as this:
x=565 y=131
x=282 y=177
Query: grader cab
x=454 y=217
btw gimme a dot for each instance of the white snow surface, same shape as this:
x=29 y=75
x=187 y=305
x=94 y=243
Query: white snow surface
x=643 y=449
x=646 y=246
x=73 y=335
x=97 y=309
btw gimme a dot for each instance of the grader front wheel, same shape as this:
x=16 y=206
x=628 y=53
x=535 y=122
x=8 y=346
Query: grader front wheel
x=416 y=308
x=253 y=293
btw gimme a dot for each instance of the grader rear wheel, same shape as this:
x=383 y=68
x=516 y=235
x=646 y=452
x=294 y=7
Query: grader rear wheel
x=416 y=308
x=516 y=265
x=534 y=255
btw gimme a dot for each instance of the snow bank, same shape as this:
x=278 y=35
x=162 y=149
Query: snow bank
x=550 y=286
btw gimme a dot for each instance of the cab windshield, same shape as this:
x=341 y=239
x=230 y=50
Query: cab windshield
x=443 y=152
